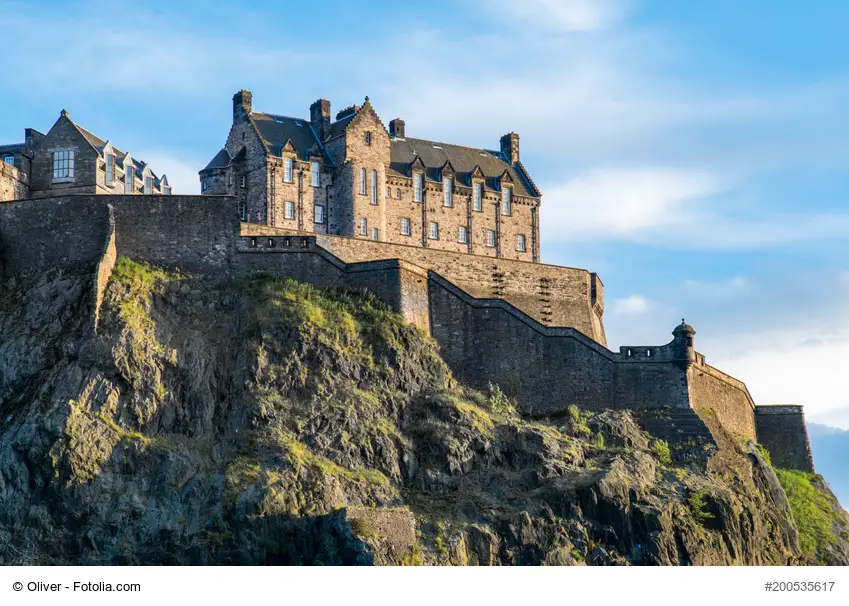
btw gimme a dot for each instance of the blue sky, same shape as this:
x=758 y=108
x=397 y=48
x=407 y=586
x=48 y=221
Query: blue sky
x=695 y=154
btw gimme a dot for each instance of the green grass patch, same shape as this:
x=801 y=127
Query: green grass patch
x=812 y=510
x=661 y=449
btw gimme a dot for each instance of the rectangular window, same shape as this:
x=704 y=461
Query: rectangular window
x=368 y=137
x=363 y=227
x=319 y=213
x=229 y=179
x=287 y=170
x=147 y=185
x=434 y=230
x=362 y=182
x=418 y=185
x=507 y=201
x=167 y=190
x=374 y=187
x=63 y=165
x=128 y=188
x=243 y=181
x=405 y=227
x=130 y=179
x=110 y=168
x=397 y=193
x=315 y=173
x=10 y=160
x=243 y=211
x=463 y=235
x=289 y=210
x=448 y=191
x=490 y=238
x=478 y=196
x=520 y=243
x=374 y=234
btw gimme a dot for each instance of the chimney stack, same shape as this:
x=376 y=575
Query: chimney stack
x=396 y=128
x=242 y=105
x=320 y=118
x=510 y=147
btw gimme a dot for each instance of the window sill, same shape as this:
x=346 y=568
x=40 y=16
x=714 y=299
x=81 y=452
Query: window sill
x=63 y=180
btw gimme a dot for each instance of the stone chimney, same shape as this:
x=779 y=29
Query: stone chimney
x=396 y=128
x=320 y=118
x=32 y=139
x=242 y=105
x=510 y=147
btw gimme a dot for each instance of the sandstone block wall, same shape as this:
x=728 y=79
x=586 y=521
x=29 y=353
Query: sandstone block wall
x=553 y=295
x=782 y=431
x=713 y=393
x=13 y=183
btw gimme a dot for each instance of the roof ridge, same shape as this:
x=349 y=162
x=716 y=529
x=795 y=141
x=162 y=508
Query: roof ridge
x=492 y=152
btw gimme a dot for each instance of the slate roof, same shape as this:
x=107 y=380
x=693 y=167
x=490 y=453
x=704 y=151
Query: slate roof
x=221 y=160
x=434 y=155
x=12 y=148
x=276 y=130
x=98 y=143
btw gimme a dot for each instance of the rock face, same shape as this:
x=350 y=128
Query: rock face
x=267 y=422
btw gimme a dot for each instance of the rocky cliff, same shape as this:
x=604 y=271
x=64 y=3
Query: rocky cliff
x=267 y=422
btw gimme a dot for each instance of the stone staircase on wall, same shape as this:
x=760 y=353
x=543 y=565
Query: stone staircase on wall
x=687 y=435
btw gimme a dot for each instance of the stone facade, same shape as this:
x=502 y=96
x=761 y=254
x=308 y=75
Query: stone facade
x=70 y=160
x=354 y=177
x=783 y=432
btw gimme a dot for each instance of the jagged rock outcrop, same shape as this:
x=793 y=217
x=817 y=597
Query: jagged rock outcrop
x=268 y=422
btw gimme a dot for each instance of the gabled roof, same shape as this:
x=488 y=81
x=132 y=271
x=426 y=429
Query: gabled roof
x=464 y=160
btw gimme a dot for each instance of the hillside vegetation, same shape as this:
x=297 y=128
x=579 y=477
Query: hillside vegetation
x=264 y=421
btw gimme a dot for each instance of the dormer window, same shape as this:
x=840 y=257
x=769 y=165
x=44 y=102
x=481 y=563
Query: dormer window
x=368 y=137
x=110 y=169
x=63 y=165
x=129 y=179
x=507 y=200
x=287 y=170
x=477 y=196
x=166 y=190
x=147 y=185
x=448 y=191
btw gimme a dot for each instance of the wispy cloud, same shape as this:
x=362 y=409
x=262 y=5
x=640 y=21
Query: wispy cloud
x=560 y=15
x=635 y=305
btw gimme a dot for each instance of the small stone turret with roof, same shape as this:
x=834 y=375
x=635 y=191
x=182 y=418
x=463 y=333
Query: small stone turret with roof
x=683 y=344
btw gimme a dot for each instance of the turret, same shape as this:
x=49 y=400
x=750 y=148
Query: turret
x=685 y=351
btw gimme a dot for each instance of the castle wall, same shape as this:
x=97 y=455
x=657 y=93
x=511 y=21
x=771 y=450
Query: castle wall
x=555 y=296
x=38 y=235
x=713 y=393
x=546 y=369
x=14 y=184
x=782 y=431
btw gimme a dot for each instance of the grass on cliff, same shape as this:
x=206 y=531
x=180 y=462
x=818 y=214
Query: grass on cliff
x=812 y=510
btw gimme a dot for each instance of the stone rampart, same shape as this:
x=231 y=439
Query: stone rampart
x=783 y=432
x=484 y=338
x=553 y=295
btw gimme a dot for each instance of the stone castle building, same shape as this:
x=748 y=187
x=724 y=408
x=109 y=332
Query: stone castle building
x=71 y=160
x=447 y=236
x=353 y=177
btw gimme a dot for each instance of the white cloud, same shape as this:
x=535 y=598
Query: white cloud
x=635 y=305
x=669 y=207
x=561 y=15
